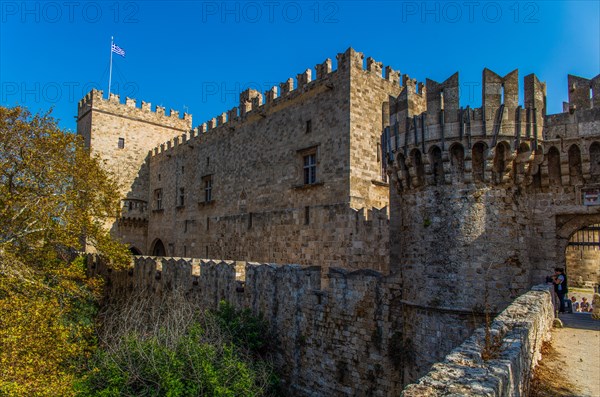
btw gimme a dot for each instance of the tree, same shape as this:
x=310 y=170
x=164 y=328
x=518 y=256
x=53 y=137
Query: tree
x=52 y=192
x=53 y=196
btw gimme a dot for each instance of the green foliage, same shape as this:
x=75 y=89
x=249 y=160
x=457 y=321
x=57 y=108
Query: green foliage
x=213 y=356
x=245 y=329
x=46 y=326
x=53 y=196
x=53 y=193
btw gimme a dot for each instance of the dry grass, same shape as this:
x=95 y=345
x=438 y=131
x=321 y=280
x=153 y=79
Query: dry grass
x=548 y=377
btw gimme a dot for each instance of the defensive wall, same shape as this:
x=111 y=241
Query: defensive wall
x=483 y=201
x=331 y=340
x=517 y=335
x=344 y=339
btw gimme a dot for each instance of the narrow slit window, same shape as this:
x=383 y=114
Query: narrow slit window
x=121 y=144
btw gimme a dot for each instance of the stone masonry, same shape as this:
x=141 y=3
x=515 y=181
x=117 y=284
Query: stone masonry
x=483 y=201
x=252 y=158
x=482 y=205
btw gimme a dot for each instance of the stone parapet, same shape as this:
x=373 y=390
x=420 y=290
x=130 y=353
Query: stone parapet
x=521 y=328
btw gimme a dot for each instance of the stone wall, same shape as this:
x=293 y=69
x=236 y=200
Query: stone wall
x=333 y=340
x=346 y=338
x=521 y=329
x=483 y=201
x=253 y=156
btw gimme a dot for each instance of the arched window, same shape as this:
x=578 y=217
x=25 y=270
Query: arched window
x=479 y=153
x=437 y=165
x=158 y=248
x=499 y=163
x=554 y=175
x=457 y=162
x=417 y=162
x=520 y=161
x=405 y=182
x=595 y=162
x=575 y=172
x=135 y=251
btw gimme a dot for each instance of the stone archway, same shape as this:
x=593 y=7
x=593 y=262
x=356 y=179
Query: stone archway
x=567 y=227
x=135 y=251
x=582 y=257
x=158 y=248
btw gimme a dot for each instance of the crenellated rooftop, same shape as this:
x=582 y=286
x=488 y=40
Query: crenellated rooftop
x=253 y=104
x=94 y=100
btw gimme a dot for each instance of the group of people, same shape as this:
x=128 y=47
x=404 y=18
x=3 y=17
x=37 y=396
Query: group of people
x=580 y=307
x=559 y=279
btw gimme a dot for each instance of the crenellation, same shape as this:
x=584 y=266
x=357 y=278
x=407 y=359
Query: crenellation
x=160 y=110
x=596 y=92
x=130 y=102
x=271 y=95
x=222 y=119
x=146 y=106
x=391 y=75
x=286 y=87
x=579 y=92
x=211 y=124
x=323 y=69
x=304 y=78
x=350 y=59
x=174 y=113
x=374 y=66
x=114 y=98
x=232 y=114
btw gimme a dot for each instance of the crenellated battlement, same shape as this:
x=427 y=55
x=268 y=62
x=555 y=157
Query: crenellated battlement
x=94 y=100
x=433 y=140
x=254 y=104
x=232 y=280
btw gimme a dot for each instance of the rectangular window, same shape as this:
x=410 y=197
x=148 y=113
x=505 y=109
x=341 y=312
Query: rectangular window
x=121 y=144
x=207 y=223
x=181 y=198
x=207 y=188
x=158 y=204
x=250 y=220
x=310 y=168
x=306 y=215
x=308 y=126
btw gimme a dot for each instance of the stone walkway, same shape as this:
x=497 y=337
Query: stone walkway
x=578 y=347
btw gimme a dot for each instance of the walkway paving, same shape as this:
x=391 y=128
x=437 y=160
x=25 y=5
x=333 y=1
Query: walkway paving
x=577 y=345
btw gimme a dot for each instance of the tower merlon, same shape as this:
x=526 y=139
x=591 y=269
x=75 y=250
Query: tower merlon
x=323 y=69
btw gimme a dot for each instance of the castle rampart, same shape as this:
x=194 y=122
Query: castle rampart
x=484 y=200
x=331 y=340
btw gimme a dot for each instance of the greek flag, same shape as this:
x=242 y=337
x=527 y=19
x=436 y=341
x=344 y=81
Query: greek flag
x=118 y=50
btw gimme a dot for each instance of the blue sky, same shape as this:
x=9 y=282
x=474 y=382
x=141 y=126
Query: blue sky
x=197 y=56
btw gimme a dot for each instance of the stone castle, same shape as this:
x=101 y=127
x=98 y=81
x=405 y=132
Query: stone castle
x=410 y=215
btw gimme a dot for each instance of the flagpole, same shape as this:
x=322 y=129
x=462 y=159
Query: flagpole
x=110 y=72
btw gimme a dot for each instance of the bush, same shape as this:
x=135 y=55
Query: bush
x=212 y=354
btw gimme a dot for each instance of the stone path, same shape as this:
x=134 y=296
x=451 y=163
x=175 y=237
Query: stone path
x=578 y=347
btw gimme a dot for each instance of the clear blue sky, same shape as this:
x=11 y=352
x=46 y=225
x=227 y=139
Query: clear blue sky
x=198 y=55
